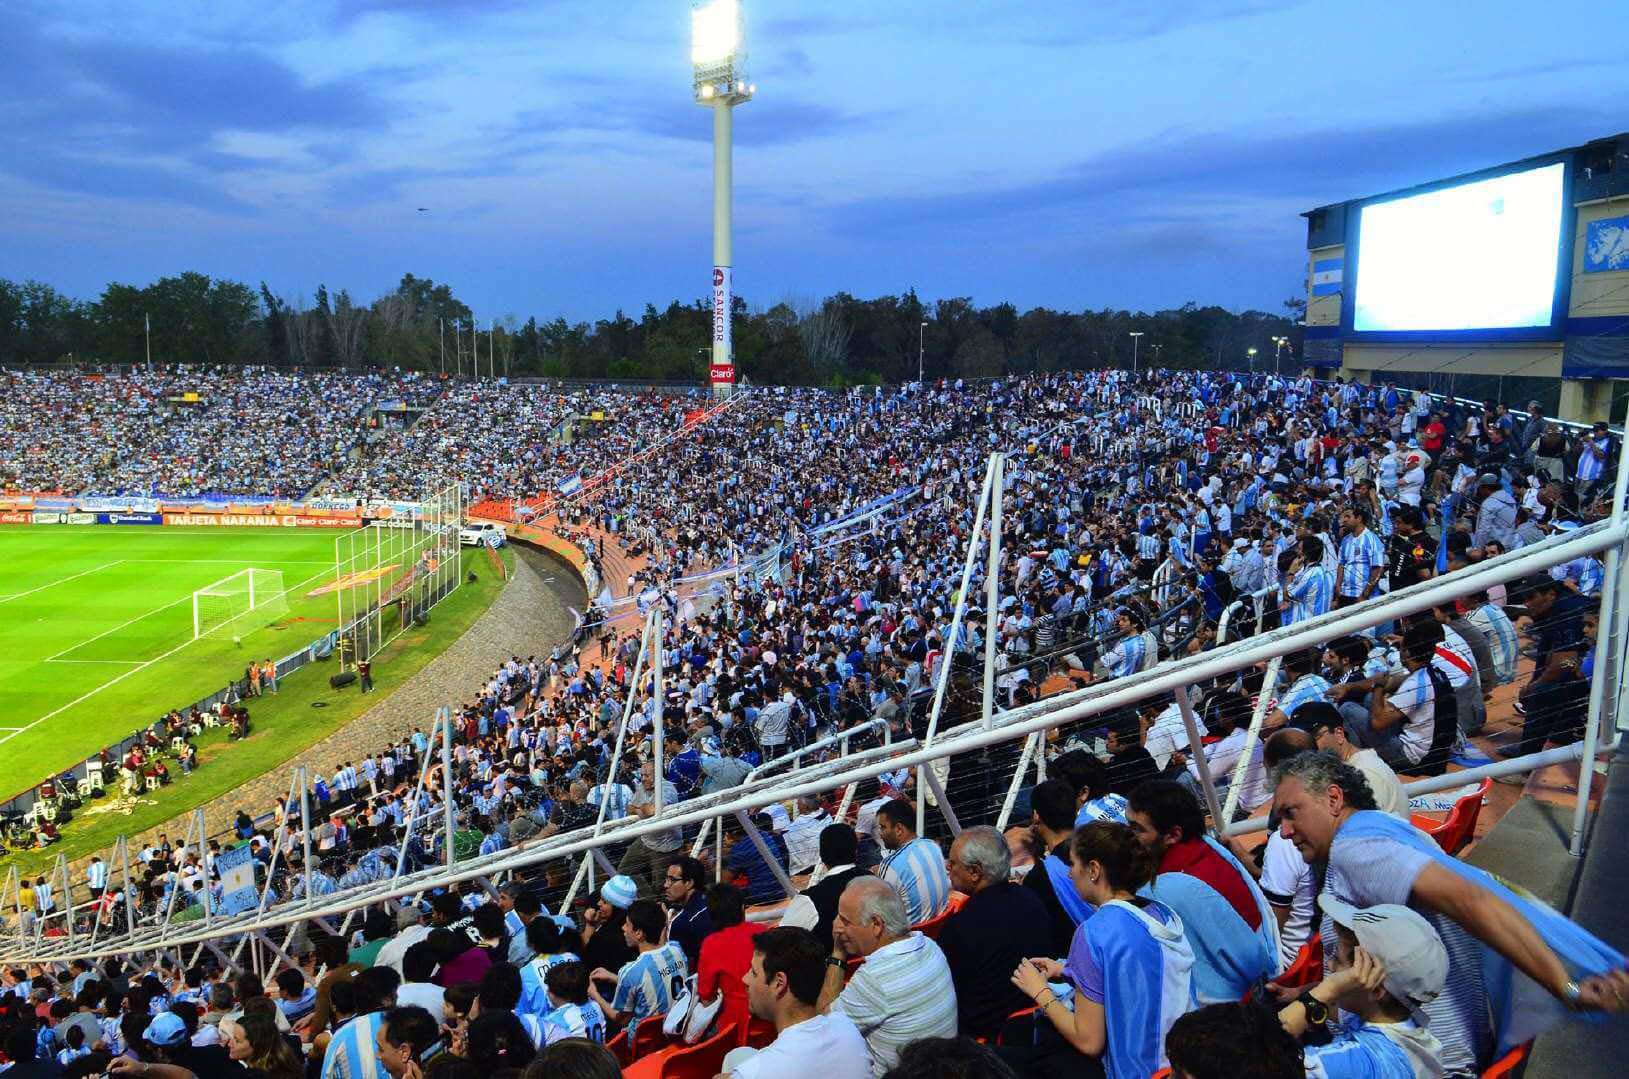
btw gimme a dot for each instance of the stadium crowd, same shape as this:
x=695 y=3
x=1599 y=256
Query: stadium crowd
x=1136 y=516
x=184 y=432
x=508 y=440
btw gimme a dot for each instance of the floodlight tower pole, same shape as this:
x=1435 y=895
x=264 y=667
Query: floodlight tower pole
x=723 y=253
x=718 y=58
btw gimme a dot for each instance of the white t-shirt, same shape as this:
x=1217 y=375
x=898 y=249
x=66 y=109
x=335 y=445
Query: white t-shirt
x=1418 y=702
x=825 y=1047
x=426 y=995
x=1383 y=782
x=1287 y=880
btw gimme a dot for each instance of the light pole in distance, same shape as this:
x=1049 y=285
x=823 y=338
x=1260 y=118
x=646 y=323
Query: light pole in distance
x=718 y=58
x=921 y=338
x=1135 y=334
x=1252 y=354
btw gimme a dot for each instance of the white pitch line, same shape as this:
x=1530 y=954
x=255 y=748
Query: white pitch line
x=123 y=662
x=233 y=561
x=61 y=580
x=116 y=679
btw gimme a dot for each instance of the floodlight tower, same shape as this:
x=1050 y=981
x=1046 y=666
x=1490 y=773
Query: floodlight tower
x=718 y=60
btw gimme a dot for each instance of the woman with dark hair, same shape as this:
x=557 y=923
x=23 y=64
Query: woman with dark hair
x=573 y=1058
x=498 y=1045
x=259 y=1049
x=726 y=955
x=1129 y=968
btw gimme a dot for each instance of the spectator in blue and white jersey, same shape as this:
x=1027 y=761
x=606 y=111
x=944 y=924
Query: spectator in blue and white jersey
x=1129 y=966
x=1362 y=560
x=403 y=1035
x=1305 y=685
x=646 y=985
x=1131 y=652
x=1093 y=794
x=571 y=1013
x=1594 y=453
x=914 y=865
x=1308 y=588
x=353 y=1051
x=551 y=947
x=1500 y=633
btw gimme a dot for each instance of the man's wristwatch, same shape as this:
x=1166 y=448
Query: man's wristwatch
x=1317 y=1010
x=834 y=961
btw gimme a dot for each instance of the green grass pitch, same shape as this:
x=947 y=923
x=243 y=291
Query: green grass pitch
x=96 y=629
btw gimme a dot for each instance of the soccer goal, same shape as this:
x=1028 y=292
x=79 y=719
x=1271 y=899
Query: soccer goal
x=230 y=602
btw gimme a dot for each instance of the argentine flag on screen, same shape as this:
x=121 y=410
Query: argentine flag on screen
x=1327 y=275
x=571 y=484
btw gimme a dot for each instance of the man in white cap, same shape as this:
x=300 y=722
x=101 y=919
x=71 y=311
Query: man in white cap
x=1389 y=964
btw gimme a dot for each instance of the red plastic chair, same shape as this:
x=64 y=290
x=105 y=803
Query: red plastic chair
x=647 y=1037
x=700 y=1061
x=932 y=926
x=618 y=1047
x=1459 y=827
x=1510 y=1062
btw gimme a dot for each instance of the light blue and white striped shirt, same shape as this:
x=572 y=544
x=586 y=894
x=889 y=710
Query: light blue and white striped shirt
x=1586 y=574
x=1127 y=656
x=1110 y=807
x=575 y=1021
x=1495 y=625
x=1362 y=556
x=534 y=995
x=648 y=984
x=917 y=872
x=1307 y=688
x=353 y=1053
x=1310 y=594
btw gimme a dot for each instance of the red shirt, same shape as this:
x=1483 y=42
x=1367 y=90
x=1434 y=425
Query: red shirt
x=1196 y=858
x=726 y=956
x=1431 y=436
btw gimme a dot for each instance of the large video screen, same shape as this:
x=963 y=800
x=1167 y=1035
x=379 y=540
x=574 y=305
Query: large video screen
x=1482 y=255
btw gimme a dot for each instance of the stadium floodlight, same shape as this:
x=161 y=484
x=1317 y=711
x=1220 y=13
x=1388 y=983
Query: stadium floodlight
x=232 y=600
x=718 y=58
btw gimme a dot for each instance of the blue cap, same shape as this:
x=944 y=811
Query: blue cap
x=166 y=1029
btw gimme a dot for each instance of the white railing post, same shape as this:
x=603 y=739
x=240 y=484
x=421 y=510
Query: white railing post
x=947 y=654
x=992 y=586
x=1607 y=658
x=1257 y=716
x=449 y=813
x=658 y=637
x=1196 y=747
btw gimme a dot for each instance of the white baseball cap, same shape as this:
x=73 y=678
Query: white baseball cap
x=1405 y=944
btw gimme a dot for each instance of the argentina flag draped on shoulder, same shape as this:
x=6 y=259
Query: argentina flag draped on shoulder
x=1522 y=1009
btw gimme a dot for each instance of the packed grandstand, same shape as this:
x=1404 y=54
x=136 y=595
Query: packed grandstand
x=794 y=888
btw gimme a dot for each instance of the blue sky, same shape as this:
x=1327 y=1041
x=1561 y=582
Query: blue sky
x=1072 y=154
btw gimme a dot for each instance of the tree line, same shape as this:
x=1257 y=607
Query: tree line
x=838 y=341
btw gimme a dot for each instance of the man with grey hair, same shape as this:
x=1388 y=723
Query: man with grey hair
x=903 y=991
x=999 y=926
x=1370 y=858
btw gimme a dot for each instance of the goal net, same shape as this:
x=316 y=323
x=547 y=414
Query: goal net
x=246 y=600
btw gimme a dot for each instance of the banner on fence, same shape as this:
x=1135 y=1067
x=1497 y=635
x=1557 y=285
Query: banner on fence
x=237 y=870
x=129 y=519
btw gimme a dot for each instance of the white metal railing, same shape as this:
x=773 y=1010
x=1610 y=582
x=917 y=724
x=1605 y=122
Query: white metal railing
x=937 y=754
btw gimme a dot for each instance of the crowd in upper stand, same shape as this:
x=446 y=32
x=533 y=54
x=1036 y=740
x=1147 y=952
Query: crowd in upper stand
x=1135 y=516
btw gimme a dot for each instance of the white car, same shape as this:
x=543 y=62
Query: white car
x=486 y=532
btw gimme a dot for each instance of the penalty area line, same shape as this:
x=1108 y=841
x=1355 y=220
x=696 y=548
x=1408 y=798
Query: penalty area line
x=121 y=676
